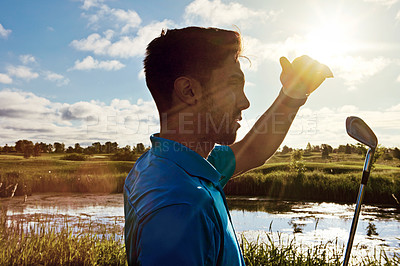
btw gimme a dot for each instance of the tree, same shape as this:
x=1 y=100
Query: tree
x=326 y=150
x=110 y=147
x=28 y=149
x=78 y=148
x=70 y=150
x=6 y=149
x=316 y=148
x=37 y=149
x=19 y=146
x=396 y=153
x=308 y=148
x=297 y=163
x=285 y=149
x=96 y=147
x=342 y=148
x=140 y=148
x=49 y=148
x=59 y=147
x=25 y=147
x=348 y=149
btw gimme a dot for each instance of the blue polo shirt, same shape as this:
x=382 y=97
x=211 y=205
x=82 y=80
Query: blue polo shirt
x=175 y=209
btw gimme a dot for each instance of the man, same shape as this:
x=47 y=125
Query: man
x=175 y=208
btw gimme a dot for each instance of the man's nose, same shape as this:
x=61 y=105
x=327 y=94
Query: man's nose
x=243 y=103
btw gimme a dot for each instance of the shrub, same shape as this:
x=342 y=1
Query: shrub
x=123 y=155
x=74 y=157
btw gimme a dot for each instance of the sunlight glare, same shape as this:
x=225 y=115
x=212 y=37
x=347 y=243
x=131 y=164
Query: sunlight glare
x=328 y=41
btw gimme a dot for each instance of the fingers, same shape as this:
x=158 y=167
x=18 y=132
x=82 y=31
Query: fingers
x=303 y=75
x=326 y=71
x=305 y=64
x=285 y=64
x=316 y=81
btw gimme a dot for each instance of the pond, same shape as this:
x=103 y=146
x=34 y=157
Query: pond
x=308 y=223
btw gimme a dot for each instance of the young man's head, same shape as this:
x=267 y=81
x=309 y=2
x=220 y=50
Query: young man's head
x=191 y=51
x=208 y=57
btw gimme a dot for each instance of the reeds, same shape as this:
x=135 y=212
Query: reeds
x=316 y=185
x=42 y=241
x=285 y=251
x=47 y=243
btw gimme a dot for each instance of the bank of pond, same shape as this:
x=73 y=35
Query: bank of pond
x=318 y=181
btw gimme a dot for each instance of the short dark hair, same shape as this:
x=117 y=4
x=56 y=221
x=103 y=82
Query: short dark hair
x=192 y=51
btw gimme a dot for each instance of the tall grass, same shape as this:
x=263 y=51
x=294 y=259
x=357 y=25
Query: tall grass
x=46 y=243
x=316 y=185
x=38 y=175
x=282 y=251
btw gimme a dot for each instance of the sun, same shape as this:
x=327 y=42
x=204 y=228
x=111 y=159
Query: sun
x=329 y=41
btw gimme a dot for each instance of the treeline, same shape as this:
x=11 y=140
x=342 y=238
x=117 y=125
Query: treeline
x=325 y=150
x=28 y=148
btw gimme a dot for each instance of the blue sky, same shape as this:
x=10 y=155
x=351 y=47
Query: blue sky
x=71 y=71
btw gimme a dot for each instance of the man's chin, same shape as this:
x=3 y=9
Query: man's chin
x=226 y=139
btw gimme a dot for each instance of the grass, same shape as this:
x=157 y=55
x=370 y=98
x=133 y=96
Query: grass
x=47 y=243
x=316 y=185
x=288 y=252
x=334 y=179
x=53 y=174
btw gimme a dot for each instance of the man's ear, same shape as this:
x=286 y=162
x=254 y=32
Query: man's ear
x=187 y=89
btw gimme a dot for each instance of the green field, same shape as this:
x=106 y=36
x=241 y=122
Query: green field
x=336 y=178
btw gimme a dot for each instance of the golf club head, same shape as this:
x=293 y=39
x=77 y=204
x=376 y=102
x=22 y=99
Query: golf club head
x=360 y=131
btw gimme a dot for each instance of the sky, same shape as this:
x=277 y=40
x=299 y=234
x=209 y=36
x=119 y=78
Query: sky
x=71 y=71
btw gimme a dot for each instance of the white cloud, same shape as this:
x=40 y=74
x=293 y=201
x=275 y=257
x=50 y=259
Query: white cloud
x=5 y=79
x=328 y=126
x=215 y=13
x=58 y=78
x=130 y=18
x=398 y=79
x=87 y=4
x=25 y=115
x=4 y=33
x=123 y=20
x=89 y=63
x=398 y=15
x=22 y=72
x=27 y=58
x=355 y=70
x=124 y=47
x=94 y=43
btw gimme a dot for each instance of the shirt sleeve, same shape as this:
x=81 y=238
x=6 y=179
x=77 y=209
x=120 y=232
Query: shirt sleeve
x=223 y=159
x=178 y=235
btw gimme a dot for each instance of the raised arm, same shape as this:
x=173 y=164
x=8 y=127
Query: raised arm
x=299 y=79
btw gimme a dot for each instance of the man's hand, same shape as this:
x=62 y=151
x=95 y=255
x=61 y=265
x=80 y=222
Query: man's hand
x=301 y=77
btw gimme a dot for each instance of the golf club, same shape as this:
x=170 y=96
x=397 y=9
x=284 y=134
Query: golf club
x=359 y=130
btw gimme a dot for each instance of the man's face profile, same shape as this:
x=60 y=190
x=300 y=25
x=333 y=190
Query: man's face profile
x=224 y=99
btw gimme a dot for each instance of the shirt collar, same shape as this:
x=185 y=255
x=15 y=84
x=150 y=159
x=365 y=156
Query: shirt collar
x=186 y=158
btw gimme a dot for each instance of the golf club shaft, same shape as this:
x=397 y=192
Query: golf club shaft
x=360 y=197
x=354 y=224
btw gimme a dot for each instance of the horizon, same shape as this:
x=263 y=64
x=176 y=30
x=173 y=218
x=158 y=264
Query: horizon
x=75 y=74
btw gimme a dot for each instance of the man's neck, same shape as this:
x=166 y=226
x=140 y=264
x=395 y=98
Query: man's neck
x=195 y=143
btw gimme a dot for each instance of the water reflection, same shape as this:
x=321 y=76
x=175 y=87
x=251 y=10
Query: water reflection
x=308 y=222
x=317 y=222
